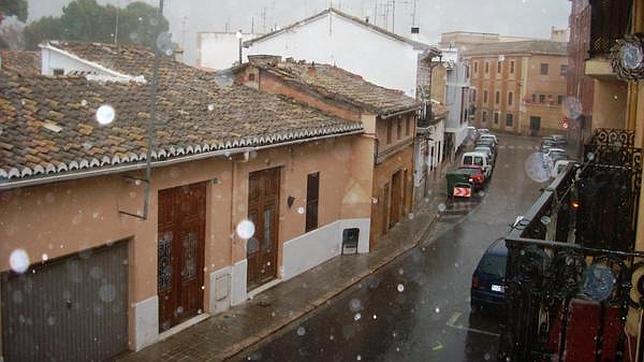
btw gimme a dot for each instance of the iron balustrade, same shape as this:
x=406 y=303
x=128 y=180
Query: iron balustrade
x=572 y=255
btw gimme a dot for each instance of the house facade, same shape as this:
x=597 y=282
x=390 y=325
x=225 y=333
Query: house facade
x=389 y=118
x=518 y=87
x=333 y=37
x=236 y=199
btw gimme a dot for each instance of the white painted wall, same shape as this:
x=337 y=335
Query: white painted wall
x=239 y=292
x=335 y=40
x=219 y=50
x=314 y=248
x=53 y=60
x=146 y=322
x=220 y=290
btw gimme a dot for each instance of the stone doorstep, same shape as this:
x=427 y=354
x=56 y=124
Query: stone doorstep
x=266 y=332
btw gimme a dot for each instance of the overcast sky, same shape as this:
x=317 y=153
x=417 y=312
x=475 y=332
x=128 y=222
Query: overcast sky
x=532 y=18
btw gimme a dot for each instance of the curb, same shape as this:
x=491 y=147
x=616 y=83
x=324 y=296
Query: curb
x=316 y=304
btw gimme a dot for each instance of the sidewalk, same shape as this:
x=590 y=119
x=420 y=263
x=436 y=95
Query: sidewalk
x=226 y=334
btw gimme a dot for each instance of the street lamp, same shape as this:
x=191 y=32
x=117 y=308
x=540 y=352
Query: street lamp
x=239 y=36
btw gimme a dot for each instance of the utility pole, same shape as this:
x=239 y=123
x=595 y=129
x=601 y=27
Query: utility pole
x=116 y=28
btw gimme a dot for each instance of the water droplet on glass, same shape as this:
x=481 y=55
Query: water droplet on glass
x=401 y=288
x=537 y=166
x=19 y=261
x=572 y=107
x=375 y=316
x=301 y=331
x=590 y=156
x=107 y=293
x=105 y=114
x=442 y=207
x=245 y=229
x=211 y=107
x=359 y=358
x=45 y=257
x=545 y=219
x=51 y=320
x=83 y=103
x=437 y=310
x=165 y=44
x=357 y=317
x=355 y=305
x=87 y=146
x=300 y=210
x=401 y=271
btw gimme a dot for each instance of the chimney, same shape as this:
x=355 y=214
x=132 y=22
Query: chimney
x=415 y=32
x=311 y=70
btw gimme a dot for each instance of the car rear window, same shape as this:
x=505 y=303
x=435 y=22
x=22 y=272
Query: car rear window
x=478 y=161
x=493 y=264
x=467 y=160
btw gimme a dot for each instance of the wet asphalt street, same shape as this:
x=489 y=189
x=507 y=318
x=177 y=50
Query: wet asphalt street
x=417 y=307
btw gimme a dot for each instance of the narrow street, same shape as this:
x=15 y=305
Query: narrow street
x=417 y=307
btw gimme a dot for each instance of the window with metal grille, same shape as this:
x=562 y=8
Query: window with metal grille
x=510 y=96
x=487 y=67
x=544 y=69
x=512 y=67
x=542 y=98
x=496 y=117
x=484 y=96
x=390 y=130
x=312 y=198
x=498 y=67
x=564 y=69
x=476 y=67
x=497 y=97
x=560 y=99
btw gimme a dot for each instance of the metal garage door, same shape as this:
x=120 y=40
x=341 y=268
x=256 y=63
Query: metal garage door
x=69 y=309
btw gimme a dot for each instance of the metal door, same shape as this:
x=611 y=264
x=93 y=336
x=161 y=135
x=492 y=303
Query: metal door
x=69 y=309
x=263 y=212
x=182 y=220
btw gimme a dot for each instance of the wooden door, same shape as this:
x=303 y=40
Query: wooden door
x=385 y=209
x=182 y=221
x=263 y=211
x=396 y=198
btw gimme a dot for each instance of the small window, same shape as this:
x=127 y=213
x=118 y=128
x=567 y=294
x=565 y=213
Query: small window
x=484 y=96
x=478 y=161
x=498 y=67
x=390 y=130
x=484 y=116
x=564 y=69
x=487 y=67
x=312 y=199
x=542 y=98
x=512 y=67
x=467 y=71
x=251 y=77
x=476 y=67
x=510 y=96
x=534 y=98
x=508 y=120
x=544 y=69
x=407 y=127
x=560 y=99
x=497 y=97
x=399 y=129
x=496 y=117
x=473 y=95
x=58 y=72
x=467 y=160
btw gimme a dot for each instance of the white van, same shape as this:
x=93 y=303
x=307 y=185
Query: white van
x=489 y=136
x=477 y=159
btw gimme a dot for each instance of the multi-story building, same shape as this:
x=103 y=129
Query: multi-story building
x=518 y=86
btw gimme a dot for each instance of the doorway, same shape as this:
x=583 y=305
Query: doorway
x=182 y=221
x=263 y=212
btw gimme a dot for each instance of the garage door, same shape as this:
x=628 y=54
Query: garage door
x=69 y=309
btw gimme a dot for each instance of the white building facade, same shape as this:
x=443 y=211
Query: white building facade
x=456 y=99
x=333 y=37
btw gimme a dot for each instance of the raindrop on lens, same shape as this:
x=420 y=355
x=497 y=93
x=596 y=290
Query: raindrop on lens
x=301 y=331
x=401 y=288
x=357 y=317
x=211 y=107
x=245 y=229
x=19 y=261
x=105 y=114
x=300 y=210
x=441 y=207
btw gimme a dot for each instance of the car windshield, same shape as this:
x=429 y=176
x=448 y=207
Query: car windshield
x=278 y=180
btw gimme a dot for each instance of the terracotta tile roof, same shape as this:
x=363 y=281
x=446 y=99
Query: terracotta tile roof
x=358 y=21
x=542 y=47
x=333 y=82
x=131 y=60
x=48 y=125
x=21 y=62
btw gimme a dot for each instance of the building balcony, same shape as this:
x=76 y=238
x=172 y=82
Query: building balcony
x=572 y=262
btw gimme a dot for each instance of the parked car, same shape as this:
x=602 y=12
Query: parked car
x=483 y=130
x=561 y=139
x=488 y=280
x=489 y=137
x=486 y=142
x=477 y=159
x=547 y=144
x=487 y=150
x=477 y=175
x=552 y=150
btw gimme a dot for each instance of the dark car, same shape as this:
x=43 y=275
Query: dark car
x=488 y=280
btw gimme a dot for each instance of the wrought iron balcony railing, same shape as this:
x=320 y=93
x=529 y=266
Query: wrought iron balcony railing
x=571 y=261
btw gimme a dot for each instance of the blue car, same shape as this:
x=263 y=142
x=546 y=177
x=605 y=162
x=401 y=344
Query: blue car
x=488 y=280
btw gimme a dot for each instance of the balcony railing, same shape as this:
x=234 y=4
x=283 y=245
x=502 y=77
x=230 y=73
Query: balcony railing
x=572 y=264
x=609 y=22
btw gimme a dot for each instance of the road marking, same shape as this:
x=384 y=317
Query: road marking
x=452 y=323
